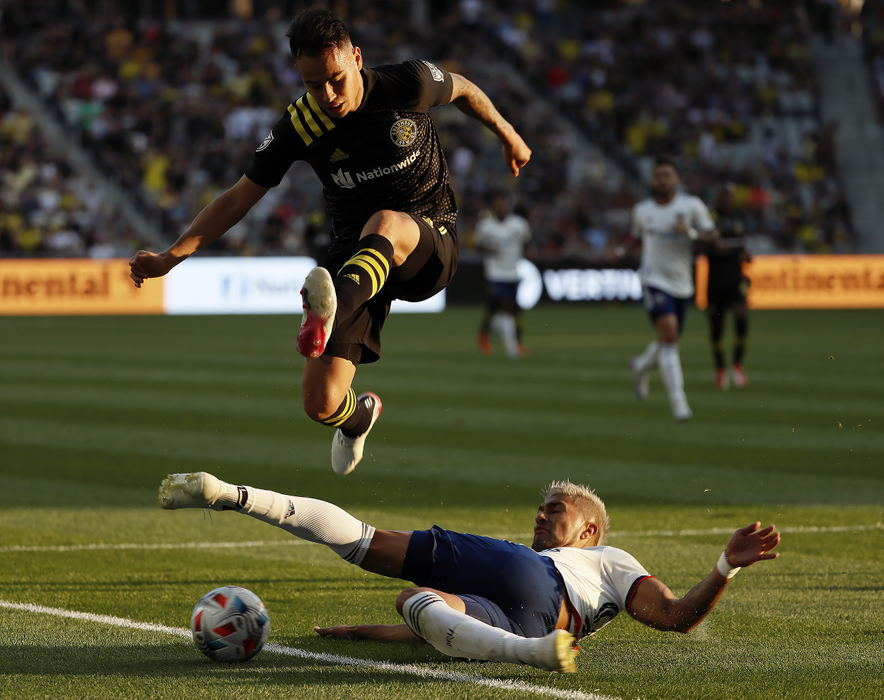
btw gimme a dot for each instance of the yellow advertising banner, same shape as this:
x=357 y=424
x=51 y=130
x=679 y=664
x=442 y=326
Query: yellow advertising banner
x=67 y=286
x=808 y=281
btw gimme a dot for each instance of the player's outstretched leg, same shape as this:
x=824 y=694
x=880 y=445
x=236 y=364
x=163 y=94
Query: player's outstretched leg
x=320 y=304
x=456 y=634
x=308 y=518
x=348 y=445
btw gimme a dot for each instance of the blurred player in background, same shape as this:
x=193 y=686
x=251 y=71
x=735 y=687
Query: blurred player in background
x=727 y=288
x=501 y=236
x=668 y=224
x=484 y=598
x=369 y=138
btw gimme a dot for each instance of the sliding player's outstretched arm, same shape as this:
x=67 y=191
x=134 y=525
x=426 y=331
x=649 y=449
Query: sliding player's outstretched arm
x=208 y=226
x=377 y=633
x=656 y=606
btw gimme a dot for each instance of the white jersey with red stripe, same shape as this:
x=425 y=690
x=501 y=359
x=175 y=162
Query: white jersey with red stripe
x=667 y=254
x=600 y=582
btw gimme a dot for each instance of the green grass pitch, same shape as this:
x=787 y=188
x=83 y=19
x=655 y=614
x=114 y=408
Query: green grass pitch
x=95 y=411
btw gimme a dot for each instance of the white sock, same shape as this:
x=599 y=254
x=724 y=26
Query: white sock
x=670 y=370
x=308 y=518
x=506 y=327
x=456 y=634
x=648 y=359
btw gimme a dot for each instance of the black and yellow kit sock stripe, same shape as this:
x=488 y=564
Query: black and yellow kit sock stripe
x=345 y=410
x=373 y=263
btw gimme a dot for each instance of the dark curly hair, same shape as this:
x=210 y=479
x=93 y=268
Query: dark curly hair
x=315 y=31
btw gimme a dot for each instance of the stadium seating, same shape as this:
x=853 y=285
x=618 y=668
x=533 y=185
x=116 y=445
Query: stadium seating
x=172 y=111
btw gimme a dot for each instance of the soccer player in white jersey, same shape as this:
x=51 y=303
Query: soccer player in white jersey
x=668 y=223
x=501 y=236
x=488 y=599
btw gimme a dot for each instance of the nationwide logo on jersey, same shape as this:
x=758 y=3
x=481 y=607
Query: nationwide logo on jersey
x=338 y=155
x=309 y=120
x=434 y=71
x=266 y=142
x=343 y=179
x=403 y=132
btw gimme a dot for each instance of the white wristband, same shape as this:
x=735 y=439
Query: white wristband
x=693 y=233
x=724 y=567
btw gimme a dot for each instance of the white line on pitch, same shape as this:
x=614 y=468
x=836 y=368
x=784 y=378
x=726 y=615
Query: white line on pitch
x=336 y=659
x=110 y=546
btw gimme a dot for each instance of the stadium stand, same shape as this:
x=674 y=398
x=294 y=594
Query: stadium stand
x=171 y=110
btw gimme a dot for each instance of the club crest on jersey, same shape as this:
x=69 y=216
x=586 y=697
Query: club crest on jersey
x=403 y=132
x=266 y=142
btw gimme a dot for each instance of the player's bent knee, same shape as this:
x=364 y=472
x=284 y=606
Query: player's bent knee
x=318 y=408
x=406 y=594
x=385 y=220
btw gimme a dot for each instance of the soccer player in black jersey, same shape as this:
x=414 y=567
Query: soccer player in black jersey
x=368 y=136
x=727 y=289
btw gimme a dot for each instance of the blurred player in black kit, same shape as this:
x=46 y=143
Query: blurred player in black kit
x=727 y=289
x=369 y=138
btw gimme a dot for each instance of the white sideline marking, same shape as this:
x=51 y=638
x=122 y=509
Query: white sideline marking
x=99 y=546
x=407 y=669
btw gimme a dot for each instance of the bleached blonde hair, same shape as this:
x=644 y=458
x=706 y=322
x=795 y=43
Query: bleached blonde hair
x=590 y=505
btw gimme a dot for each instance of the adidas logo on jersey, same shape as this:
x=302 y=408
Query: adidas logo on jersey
x=337 y=155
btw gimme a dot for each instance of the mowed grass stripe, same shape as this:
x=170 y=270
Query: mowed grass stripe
x=511 y=536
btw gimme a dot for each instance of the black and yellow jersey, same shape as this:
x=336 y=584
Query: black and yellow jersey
x=727 y=253
x=383 y=155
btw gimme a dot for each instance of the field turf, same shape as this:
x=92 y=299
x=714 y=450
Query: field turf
x=95 y=411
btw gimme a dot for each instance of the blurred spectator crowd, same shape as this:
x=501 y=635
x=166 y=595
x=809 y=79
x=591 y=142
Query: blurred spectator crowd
x=171 y=111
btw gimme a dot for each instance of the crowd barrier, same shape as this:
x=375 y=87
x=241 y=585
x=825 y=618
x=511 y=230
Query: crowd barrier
x=272 y=285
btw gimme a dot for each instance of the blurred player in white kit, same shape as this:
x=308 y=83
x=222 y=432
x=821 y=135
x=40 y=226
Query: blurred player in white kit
x=668 y=223
x=502 y=236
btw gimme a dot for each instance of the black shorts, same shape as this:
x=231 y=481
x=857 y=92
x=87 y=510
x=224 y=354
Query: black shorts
x=503 y=584
x=726 y=296
x=425 y=272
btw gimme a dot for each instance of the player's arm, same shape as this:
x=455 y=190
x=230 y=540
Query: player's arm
x=378 y=633
x=473 y=102
x=655 y=605
x=208 y=226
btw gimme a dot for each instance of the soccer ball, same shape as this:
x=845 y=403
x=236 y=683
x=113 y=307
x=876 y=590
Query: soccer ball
x=230 y=624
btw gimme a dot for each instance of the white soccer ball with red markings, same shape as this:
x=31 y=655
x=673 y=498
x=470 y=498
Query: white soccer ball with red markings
x=230 y=624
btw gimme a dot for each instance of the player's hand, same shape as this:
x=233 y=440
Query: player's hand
x=145 y=264
x=516 y=154
x=681 y=226
x=751 y=544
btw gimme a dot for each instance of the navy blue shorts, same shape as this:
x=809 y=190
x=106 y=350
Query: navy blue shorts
x=503 y=584
x=658 y=303
x=503 y=290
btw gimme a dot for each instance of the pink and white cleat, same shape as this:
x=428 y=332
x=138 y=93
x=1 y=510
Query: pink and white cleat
x=320 y=304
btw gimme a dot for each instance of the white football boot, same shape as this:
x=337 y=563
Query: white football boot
x=681 y=411
x=346 y=452
x=320 y=303
x=196 y=490
x=641 y=380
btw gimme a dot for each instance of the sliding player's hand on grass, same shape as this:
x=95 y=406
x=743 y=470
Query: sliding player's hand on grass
x=751 y=544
